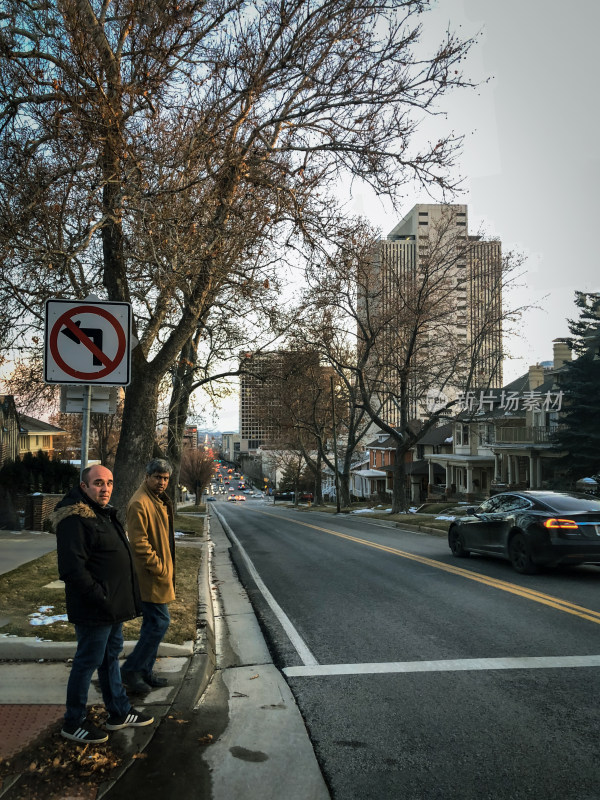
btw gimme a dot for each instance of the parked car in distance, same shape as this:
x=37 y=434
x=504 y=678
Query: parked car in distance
x=306 y=497
x=211 y=499
x=289 y=496
x=531 y=529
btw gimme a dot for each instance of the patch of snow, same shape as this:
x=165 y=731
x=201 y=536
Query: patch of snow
x=41 y=617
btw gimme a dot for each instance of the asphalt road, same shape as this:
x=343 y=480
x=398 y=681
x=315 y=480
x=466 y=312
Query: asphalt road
x=420 y=676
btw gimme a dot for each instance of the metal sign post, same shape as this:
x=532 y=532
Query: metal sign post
x=85 y=427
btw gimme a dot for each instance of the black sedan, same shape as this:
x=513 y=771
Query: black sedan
x=531 y=529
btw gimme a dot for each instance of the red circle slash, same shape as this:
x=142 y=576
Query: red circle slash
x=109 y=364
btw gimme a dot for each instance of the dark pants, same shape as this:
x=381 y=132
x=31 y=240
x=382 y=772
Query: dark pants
x=98 y=648
x=155 y=621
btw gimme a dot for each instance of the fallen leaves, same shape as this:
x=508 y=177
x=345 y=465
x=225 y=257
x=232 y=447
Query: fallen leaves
x=53 y=768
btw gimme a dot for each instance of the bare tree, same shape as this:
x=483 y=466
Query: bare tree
x=319 y=413
x=155 y=148
x=196 y=470
x=411 y=352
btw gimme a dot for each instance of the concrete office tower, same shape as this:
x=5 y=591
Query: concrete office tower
x=438 y=290
x=258 y=414
x=275 y=387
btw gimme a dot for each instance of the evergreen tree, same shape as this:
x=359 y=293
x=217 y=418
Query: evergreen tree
x=579 y=434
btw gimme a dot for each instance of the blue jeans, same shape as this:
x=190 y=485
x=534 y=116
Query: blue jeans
x=155 y=621
x=98 y=648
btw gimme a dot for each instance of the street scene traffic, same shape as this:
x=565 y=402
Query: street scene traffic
x=420 y=678
x=299 y=380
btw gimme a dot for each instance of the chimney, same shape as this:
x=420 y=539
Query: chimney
x=536 y=376
x=562 y=353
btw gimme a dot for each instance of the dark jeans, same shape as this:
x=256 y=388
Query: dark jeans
x=155 y=621
x=98 y=648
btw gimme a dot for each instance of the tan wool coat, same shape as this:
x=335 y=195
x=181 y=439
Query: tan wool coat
x=151 y=535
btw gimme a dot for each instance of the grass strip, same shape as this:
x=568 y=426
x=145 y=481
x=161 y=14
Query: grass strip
x=25 y=590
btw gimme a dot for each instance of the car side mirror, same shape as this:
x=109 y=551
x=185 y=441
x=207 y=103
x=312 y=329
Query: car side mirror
x=470 y=510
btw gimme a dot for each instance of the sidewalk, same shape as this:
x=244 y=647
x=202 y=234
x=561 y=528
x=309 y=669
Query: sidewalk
x=225 y=681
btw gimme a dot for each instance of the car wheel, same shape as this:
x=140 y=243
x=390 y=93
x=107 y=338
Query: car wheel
x=520 y=556
x=457 y=544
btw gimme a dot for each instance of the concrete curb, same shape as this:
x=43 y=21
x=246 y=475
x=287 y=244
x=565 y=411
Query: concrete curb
x=22 y=648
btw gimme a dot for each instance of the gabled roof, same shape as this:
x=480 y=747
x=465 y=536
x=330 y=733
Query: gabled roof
x=438 y=435
x=31 y=425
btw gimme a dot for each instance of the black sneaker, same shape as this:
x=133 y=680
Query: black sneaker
x=154 y=680
x=134 y=682
x=132 y=719
x=84 y=732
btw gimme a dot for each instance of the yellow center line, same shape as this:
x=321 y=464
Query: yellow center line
x=505 y=586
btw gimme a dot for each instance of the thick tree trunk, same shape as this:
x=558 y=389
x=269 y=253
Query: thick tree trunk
x=344 y=488
x=138 y=433
x=399 y=497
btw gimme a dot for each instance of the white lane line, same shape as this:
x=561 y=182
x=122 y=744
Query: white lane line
x=460 y=664
x=302 y=649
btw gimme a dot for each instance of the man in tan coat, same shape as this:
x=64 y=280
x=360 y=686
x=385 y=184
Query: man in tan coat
x=151 y=535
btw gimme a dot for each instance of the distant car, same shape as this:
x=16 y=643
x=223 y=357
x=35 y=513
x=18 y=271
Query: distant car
x=231 y=499
x=531 y=529
x=231 y=489
x=240 y=497
x=211 y=499
x=289 y=496
x=306 y=497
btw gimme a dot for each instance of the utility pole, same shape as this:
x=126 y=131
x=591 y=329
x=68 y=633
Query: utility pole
x=335 y=455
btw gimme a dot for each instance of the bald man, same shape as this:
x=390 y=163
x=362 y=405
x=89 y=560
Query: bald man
x=96 y=564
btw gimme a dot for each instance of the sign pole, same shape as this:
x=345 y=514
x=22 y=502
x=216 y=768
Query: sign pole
x=85 y=426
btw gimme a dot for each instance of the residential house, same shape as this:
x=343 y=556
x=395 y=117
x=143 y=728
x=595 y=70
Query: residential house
x=420 y=472
x=35 y=435
x=502 y=437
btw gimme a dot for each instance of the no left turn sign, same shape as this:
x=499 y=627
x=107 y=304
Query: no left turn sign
x=87 y=341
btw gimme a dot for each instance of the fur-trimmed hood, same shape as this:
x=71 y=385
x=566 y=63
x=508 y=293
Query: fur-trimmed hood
x=79 y=509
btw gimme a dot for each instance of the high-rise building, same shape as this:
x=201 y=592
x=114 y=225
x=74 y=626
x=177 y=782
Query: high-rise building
x=258 y=376
x=269 y=382
x=437 y=291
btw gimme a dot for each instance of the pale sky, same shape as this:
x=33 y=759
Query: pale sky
x=530 y=156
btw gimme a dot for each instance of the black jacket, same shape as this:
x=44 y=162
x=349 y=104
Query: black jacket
x=95 y=562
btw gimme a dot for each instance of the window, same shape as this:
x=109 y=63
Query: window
x=510 y=502
x=462 y=434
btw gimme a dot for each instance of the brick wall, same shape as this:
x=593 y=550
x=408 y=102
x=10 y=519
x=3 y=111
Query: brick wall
x=37 y=508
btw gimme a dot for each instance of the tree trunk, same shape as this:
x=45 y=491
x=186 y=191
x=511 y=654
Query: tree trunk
x=183 y=377
x=138 y=432
x=399 y=497
x=344 y=489
x=319 y=481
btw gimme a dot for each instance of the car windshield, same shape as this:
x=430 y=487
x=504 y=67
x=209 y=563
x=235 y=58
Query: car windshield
x=571 y=503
